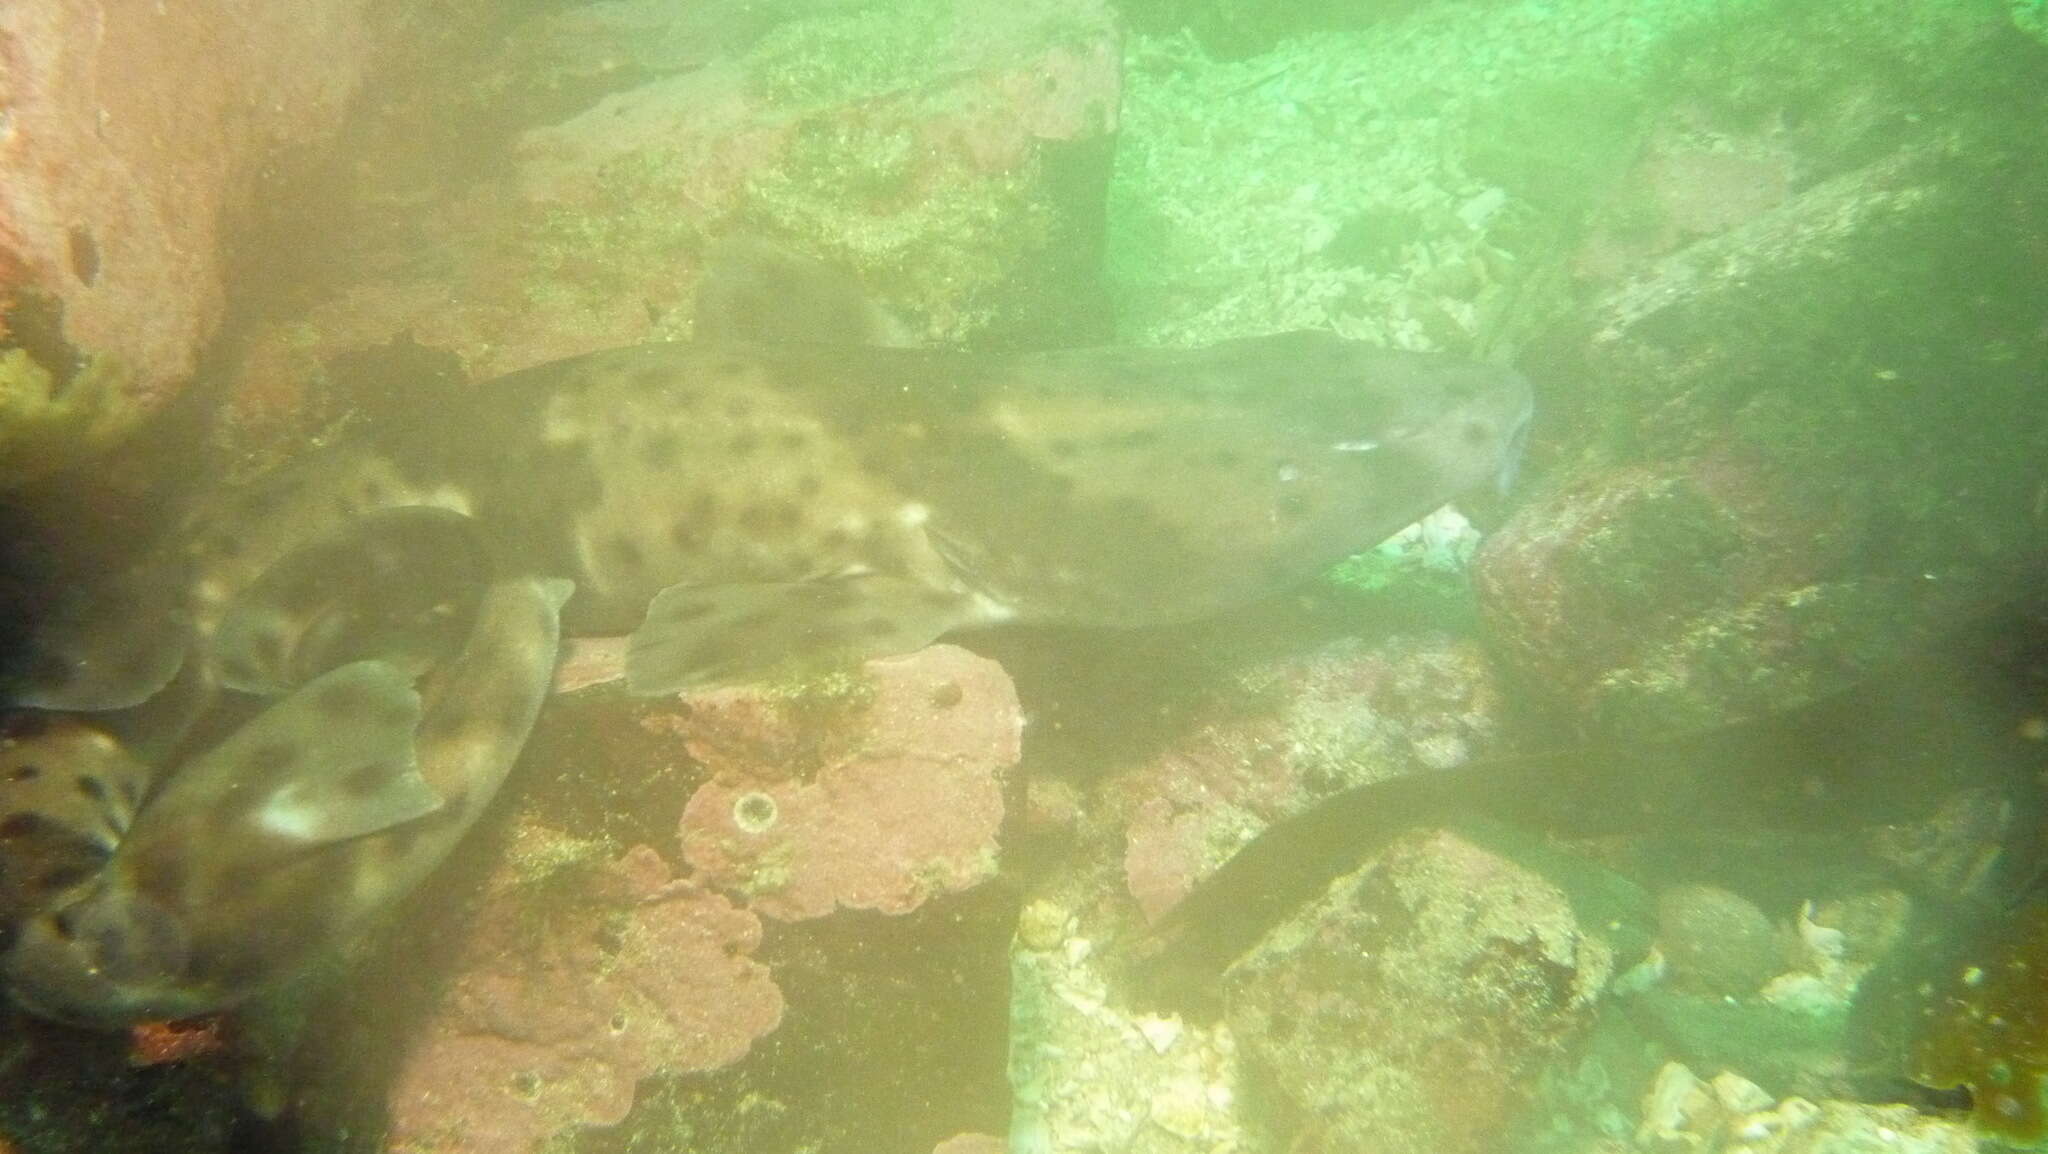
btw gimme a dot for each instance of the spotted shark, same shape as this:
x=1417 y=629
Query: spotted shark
x=734 y=504
x=292 y=836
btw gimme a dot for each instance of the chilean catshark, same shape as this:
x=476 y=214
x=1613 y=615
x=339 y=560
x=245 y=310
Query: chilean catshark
x=737 y=505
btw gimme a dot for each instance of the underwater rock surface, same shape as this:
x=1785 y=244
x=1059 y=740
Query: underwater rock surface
x=879 y=800
x=567 y=994
x=950 y=152
x=1730 y=1113
x=1410 y=1006
x=1309 y=725
x=133 y=138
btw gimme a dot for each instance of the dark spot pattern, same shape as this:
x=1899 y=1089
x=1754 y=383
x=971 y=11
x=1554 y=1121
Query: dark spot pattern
x=515 y=715
x=625 y=552
x=270 y=758
x=743 y=444
x=23 y=825
x=660 y=450
x=26 y=725
x=364 y=780
x=63 y=877
x=343 y=699
x=771 y=516
x=689 y=534
x=91 y=788
x=50 y=670
x=85 y=255
x=266 y=648
x=23 y=774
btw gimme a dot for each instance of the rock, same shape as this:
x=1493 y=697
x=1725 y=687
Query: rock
x=1716 y=941
x=1090 y=1072
x=571 y=987
x=1310 y=726
x=133 y=138
x=1411 y=1006
x=875 y=791
x=950 y=153
x=1715 y=535
x=1731 y=1114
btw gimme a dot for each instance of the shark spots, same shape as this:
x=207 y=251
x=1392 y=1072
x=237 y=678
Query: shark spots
x=661 y=449
x=269 y=759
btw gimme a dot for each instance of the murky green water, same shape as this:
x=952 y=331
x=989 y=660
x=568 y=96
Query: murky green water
x=770 y=577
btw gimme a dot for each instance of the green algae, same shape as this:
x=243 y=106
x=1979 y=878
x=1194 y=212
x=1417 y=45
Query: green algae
x=1388 y=183
x=2031 y=17
x=48 y=424
x=925 y=231
x=634 y=222
x=875 y=49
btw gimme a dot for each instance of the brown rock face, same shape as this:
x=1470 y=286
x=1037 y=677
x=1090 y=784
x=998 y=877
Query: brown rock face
x=130 y=134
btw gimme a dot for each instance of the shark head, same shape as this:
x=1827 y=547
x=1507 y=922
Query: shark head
x=1135 y=486
x=105 y=955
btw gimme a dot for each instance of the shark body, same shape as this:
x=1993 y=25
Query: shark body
x=736 y=506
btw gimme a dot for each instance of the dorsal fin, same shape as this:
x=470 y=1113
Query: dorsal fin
x=333 y=761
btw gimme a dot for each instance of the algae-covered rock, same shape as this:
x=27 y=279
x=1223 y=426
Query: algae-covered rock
x=1729 y=1113
x=1410 y=1007
x=48 y=424
x=1090 y=1072
x=949 y=154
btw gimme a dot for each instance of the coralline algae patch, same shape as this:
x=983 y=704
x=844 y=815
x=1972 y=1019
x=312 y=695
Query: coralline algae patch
x=904 y=803
x=1987 y=1029
x=564 y=1000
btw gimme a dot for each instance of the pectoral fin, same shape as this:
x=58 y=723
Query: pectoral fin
x=398 y=585
x=705 y=634
x=333 y=761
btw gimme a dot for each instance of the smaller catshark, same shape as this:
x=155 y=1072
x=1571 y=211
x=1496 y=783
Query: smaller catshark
x=290 y=837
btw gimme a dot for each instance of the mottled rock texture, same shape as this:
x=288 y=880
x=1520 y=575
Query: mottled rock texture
x=131 y=138
x=1410 y=1007
x=879 y=797
x=569 y=990
x=1305 y=727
